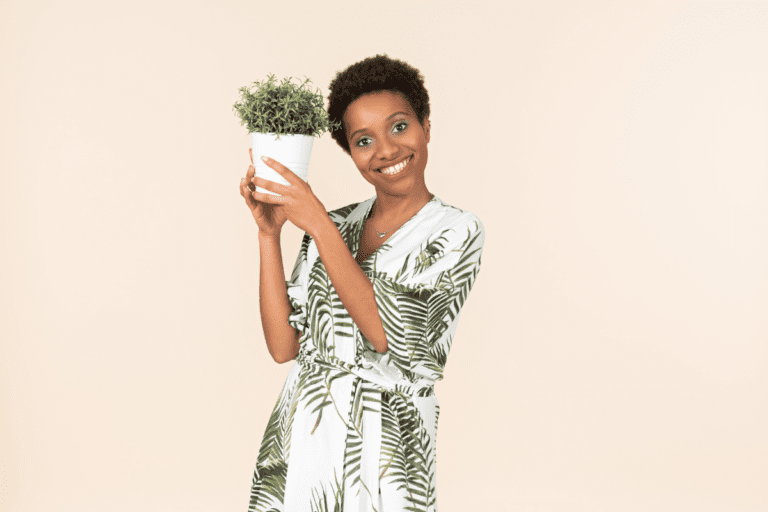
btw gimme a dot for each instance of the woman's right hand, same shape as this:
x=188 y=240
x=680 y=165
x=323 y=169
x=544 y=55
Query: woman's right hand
x=269 y=217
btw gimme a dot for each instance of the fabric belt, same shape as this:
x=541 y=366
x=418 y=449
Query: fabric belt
x=373 y=368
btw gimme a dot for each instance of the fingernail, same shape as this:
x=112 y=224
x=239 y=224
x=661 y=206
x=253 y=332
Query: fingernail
x=265 y=158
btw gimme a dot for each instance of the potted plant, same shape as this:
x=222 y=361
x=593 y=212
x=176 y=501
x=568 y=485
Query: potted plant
x=283 y=120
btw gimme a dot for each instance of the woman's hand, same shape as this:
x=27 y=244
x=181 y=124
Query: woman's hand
x=296 y=200
x=269 y=217
x=354 y=288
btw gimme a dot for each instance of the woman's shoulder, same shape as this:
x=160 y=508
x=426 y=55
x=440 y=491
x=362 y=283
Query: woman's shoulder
x=447 y=216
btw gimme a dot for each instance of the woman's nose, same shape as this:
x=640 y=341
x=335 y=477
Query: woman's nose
x=387 y=148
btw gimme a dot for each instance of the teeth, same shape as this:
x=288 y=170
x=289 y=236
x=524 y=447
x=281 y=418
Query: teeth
x=395 y=168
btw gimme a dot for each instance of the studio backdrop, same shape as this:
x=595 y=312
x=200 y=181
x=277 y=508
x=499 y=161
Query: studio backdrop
x=611 y=356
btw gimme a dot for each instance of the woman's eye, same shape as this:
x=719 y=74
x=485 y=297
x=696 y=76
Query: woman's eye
x=364 y=142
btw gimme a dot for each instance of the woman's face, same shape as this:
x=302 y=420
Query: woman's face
x=383 y=132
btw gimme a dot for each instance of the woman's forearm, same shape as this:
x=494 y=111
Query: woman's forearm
x=282 y=338
x=350 y=282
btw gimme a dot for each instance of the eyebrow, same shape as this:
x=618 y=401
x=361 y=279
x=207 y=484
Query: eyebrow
x=390 y=117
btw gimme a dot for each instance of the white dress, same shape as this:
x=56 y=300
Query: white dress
x=354 y=430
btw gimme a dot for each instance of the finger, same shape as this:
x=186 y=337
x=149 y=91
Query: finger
x=249 y=174
x=250 y=152
x=245 y=183
x=282 y=170
x=256 y=207
x=247 y=193
x=263 y=197
x=270 y=185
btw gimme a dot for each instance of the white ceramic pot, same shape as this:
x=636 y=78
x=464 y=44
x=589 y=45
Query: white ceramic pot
x=293 y=151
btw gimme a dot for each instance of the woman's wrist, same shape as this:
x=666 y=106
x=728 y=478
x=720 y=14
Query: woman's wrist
x=267 y=238
x=322 y=226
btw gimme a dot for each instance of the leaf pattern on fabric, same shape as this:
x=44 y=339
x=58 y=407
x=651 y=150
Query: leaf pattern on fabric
x=354 y=429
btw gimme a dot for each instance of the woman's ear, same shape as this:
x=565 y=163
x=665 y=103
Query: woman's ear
x=425 y=125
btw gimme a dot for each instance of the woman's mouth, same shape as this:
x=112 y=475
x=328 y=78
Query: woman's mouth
x=395 y=169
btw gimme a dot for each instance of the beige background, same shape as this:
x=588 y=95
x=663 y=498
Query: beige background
x=612 y=356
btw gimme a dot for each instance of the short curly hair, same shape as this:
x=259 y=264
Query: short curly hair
x=374 y=74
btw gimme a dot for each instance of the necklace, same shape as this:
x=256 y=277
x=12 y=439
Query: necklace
x=381 y=235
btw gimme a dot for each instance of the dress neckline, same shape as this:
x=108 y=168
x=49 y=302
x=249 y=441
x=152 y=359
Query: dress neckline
x=367 y=215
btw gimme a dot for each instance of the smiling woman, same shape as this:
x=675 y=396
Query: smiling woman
x=369 y=313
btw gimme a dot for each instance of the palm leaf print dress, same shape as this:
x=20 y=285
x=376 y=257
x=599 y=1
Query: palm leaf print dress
x=354 y=430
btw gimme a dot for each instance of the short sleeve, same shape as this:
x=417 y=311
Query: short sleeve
x=452 y=275
x=297 y=288
x=450 y=258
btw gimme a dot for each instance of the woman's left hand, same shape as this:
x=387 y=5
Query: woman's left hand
x=299 y=204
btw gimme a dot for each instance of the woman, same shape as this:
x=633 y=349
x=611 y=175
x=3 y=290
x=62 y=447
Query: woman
x=368 y=314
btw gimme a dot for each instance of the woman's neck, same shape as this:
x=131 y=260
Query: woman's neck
x=391 y=208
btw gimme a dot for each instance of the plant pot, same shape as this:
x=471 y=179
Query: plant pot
x=293 y=151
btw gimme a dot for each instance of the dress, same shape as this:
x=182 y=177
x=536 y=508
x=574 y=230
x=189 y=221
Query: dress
x=354 y=430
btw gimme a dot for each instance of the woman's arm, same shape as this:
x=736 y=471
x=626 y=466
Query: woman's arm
x=350 y=282
x=282 y=338
x=300 y=205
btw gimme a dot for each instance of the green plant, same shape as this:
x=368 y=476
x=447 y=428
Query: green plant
x=287 y=108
